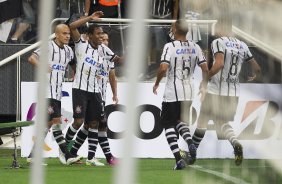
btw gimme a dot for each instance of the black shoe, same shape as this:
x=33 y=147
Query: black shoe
x=193 y=153
x=179 y=165
x=238 y=151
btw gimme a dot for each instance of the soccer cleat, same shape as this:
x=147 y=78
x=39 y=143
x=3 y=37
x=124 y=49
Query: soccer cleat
x=185 y=155
x=238 y=151
x=62 y=157
x=112 y=161
x=193 y=153
x=94 y=162
x=179 y=165
x=72 y=160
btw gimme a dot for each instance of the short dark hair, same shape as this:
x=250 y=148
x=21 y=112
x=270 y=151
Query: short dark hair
x=92 y=28
x=181 y=27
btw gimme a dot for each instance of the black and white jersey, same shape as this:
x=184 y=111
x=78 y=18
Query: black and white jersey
x=182 y=58
x=226 y=81
x=161 y=8
x=104 y=77
x=59 y=58
x=89 y=65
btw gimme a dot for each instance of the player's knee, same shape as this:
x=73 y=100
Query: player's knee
x=55 y=121
x=77 y=123
x=94 y=124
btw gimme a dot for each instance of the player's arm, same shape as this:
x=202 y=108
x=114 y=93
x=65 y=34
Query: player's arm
x=87 y=7
x=256 y=70
x=113 y=83
x=175 y=9
x=203 y=85
x=74 y=25
x=218 y=65
x=118 y=59
x=33 y=59
x=161 y=73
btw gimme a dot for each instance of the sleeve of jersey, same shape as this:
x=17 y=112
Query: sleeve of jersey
x=166 y=55
x=201 y=57
x=37 y=52
x=112 y=65
x=109 y=54
x=249 y=55
x=217 y=46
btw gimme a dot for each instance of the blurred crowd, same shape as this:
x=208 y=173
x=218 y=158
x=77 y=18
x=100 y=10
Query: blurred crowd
x=19 y=18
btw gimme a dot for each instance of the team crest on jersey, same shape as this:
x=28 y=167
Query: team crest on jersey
x=78 y=109
x=50 y=110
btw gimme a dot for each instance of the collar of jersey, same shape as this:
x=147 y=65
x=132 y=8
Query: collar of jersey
x=58 y=45
x=93 y=46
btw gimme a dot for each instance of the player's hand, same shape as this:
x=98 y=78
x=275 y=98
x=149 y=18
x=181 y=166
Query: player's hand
x=115 y=99
x=202 y=91
x=251 y=78
x=155 y=89
x=96 y=15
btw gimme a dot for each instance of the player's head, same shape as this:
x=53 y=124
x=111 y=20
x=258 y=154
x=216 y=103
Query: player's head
x=62 y=33
x=95 y=34
x=180 y=27
x=105 y=38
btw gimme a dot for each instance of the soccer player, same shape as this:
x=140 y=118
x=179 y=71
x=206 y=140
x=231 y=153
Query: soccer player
x=229 y=54
x=109 y=75
x=60 y=55
x=87 y=100
x=178 y=60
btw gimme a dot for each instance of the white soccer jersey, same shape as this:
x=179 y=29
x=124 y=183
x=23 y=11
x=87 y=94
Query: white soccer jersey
x=104 y=77
x=89 y=65
x=58 y=59
x=226 y=81
x=182 y=58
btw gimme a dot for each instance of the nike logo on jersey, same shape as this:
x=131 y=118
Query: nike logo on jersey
x=185 y=51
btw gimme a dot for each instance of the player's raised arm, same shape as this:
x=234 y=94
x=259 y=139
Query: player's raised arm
x=74 y=25
x=256 y=70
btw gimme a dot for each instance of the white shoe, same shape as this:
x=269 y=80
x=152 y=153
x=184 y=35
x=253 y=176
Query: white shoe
x=73 y=160
x=94 y=162
x=29 y=160
x=62 y=157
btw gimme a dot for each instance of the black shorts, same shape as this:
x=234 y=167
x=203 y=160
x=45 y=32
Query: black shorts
x=86 y=105
x=171 y=112
x=54 y=109
x=220 y=109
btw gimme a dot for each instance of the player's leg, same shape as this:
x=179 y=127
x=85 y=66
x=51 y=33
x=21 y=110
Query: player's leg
x=93 y=113
x=227 y=130
x=168 y=121
x=57 y=132
x=79 y=104
x=206 y=113
x=80 y=138
x=103 y=138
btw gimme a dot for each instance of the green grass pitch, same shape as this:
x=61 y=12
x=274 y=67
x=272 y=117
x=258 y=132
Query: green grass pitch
x=149 y=171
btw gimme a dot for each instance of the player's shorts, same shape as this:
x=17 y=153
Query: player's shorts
x=54 y=109
x=86 y=105
x=219 y=108
x=171 y=112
